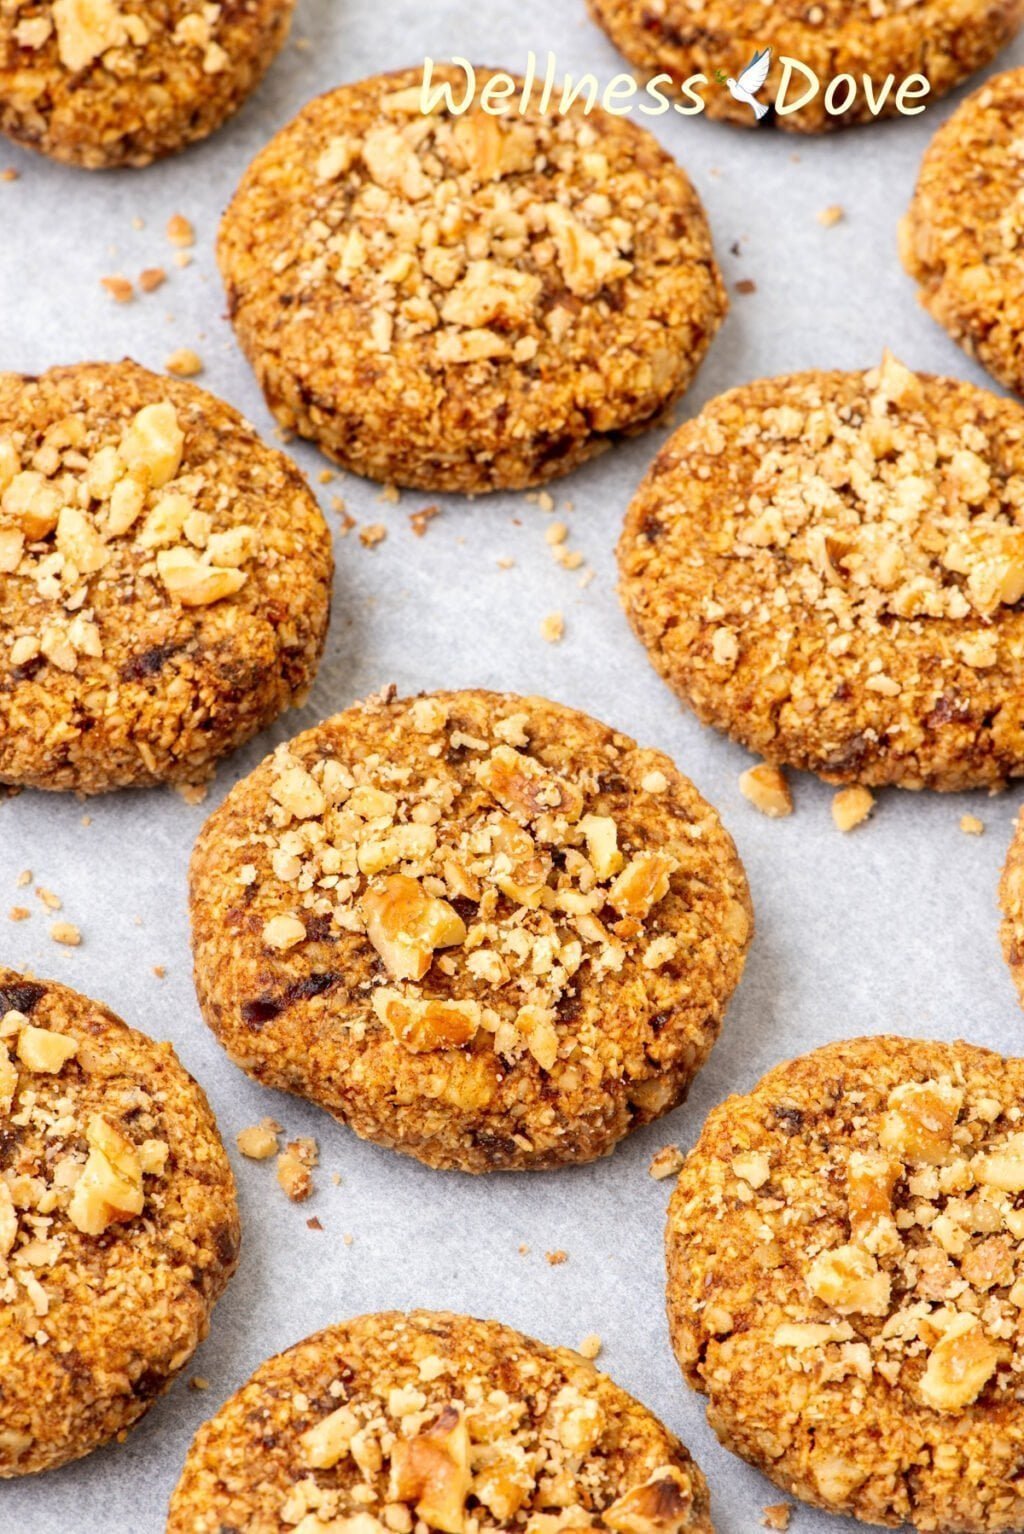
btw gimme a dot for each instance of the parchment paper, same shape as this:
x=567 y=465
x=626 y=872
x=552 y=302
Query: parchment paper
x=892 y=928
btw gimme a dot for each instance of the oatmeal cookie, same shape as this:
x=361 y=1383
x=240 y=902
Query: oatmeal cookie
x=165 y=580
x=482 y=929
x=392 y=1421
x=466 y=302
x=118 y=1225
x=943 y=40
x=846 y=1281
x=101 y=83
x=830 y=566
x=963 y=237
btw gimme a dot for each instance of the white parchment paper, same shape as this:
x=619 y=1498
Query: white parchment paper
x=892 y=928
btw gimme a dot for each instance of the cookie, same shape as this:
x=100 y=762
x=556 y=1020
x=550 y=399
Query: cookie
x=482 y=929
x=101 y=83
x=943 y=41
x=829 y=568
x=438 y=1421
x=466 y=302
x=1011 y=900
x=118 y=1225
x=846 y=1281
x=963 y=237
x=165 y=580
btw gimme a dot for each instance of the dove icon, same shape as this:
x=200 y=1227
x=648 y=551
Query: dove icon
x=750 y=82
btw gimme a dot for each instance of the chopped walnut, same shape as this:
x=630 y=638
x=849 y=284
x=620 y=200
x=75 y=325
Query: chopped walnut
x=667 y=1162
x=406 y=926
x=767 y=790
x=294 y=1168
x=110 y=1186
x=40 y=1049
x=259 y=1141
x=432 y=1470
x=959 y=1366
x=661 y=1505
x=851 y=807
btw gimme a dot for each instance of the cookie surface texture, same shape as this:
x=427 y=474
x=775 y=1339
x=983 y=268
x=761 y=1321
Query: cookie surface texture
x=466 y=302
x=102 y=83
x=435 y=1419
x=829 y=567
x=165 y=580
x=846 y=1281
x=118 y=1223
x=482 y=929
x=963 y=237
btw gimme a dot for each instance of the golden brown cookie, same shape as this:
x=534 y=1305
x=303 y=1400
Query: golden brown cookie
x=100 y=83
x=118 y=1225
x=846 y=1281
x=466 y=303
x=943 y=40
x=963 y=237
x=436 y=1421
x=165 y=580
x=829 y=567
x=482 y=929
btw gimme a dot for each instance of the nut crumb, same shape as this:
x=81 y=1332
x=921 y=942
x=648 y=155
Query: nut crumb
x=184 y=363
x=152 y=278
x=970 y=825
x=199 y=1382
x=419 y=521
x=19 y=913
x=556 y=1259
x=746 y=285
x=313 y=1223
x=852 y=806
x=831 y=215
x=777 y=1516
x=590 y=1347
x=119 y=288
x=66 y=933
x=371 y=534
x=294 y=1168
x=25 y=877
x=259 y=1142
x=160 y=970
x=180 y=230
x=552 y=628
x=767 y=790
x=667 y=1162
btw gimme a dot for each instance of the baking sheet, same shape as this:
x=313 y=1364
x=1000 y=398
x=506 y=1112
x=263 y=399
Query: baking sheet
x=892 y=928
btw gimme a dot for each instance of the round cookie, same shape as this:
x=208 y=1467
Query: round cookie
x=963 y=236
x=846 y=1281
x=118 y=1225
x=829 y=567
x=471 y=302
x=943 y=40
x=165 y=580
x=101 y=83
x=482 y=929
x=436 y=1420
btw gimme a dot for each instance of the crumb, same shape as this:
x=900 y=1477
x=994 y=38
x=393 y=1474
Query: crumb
x=326 y=477
x=119 y=288
x=184 y=363
x=852 y=806
x=348 y=1238
x=556 y=533
x=25 y=877
x=777 y=1516
x=86 y=820
x=767 y=790
x=546 y=501
x=294 y=1166
x=552 y=628
x=372 y=534
x=970 y=825
x=829 y=216
x=10 y=174
x=586 y=578
x=506 y=563
x=51 y=901
x=67 y=933
x=160 y=970
x=590 y=1347
x=555 y=1259
x=668 y=1162
x=421 y=520
x=336 y=1179
x=183 y=258
x=152 y=278
x=390 y=495
x=313 y=1223
x=746 y=285
x=199 y=1382
x=524 y=1250
x=19 y=913
x=180 y=231
x=192 y=793
x=259 y=1142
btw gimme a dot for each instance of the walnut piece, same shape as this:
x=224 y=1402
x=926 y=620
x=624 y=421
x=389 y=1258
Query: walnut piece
x=767 y=790
x=406 y=925
x=40 y=1049
x=527 y=789
x=432 y=1471
x=661 y=1505
x=959 y=1365
x=110 y=1186
x=423 y=1025
x=848 y=1279
x=920 y=1119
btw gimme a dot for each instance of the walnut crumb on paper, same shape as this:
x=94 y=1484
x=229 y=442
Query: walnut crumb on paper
x=66 y=933
x=184 y=363
x=180 y=230
x=777 y=1516
x=151 y=278
x=831 y=215
x=259 y=1141
x=372 y=533
x=667 y=1162
x=590 y=1347
x=119 y=288
x=767 y=790
x=852 y=806
x=552 y=628
x=555 y=1259
x=294 y=1168
x=970 y=825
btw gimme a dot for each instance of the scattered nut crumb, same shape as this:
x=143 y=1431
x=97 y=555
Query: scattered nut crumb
x=51 y=901
x=192 y=793
x=767 y=790
x=746 y=285
x=259 y=1142
x=668 y=1162
x=371 y=534
x=348 y=1238
x=390 y=495
x=831 y=215
x=25 y=877
x=556 y=533
x=19 y=913
x=421 y=520
x=160 y=970
x=294 y=1166
x=313 y=1223
x=326 y=477
x=183 y=258
x=152 y=278
x=180 y=231
x=119 y=288
x=67 y=933
x=9 y=174
x=590 y=1347
x=524 y=1250
x=184 y=363
x=971 y=825
x=199 y=1382
x=552 y=628
x=852 y=806
x=777 y=1516
x=555 y=1259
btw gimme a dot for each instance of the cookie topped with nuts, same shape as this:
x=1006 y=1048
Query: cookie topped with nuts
x=466 y=301
x=435 y=1421
x=118 y=1225
x=963 y=236
x=938 y=41
x=846 y=1281
x=482 y=929
x=101 y=83
x=164 y=580
x=830 y=568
